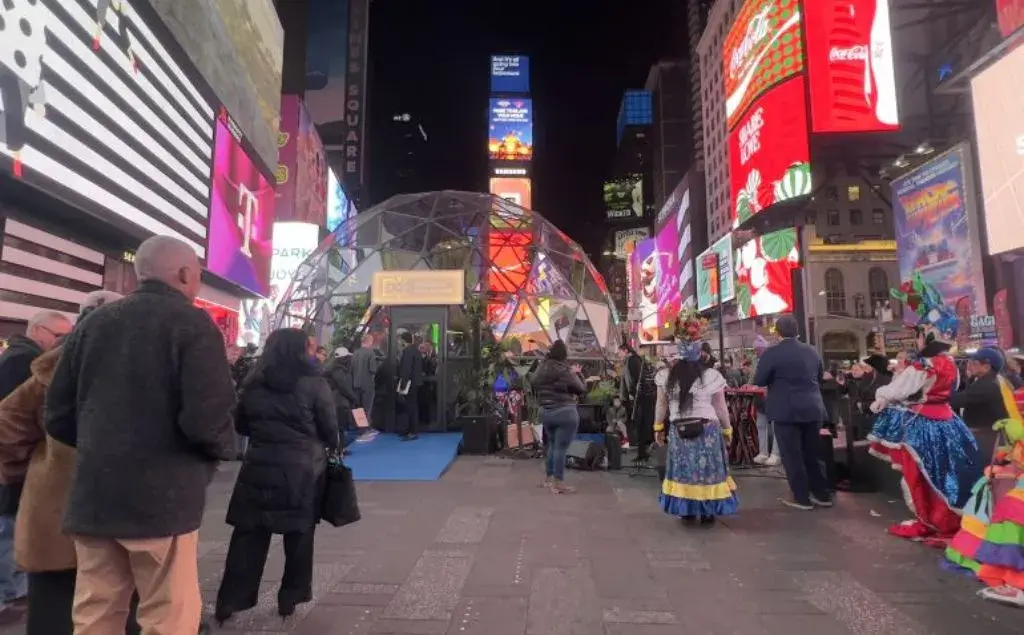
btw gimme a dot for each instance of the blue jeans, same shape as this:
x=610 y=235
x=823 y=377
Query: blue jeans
x=13 y=584
x=560 y=426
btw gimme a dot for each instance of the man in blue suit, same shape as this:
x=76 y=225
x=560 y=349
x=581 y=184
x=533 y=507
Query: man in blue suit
x=792 y=372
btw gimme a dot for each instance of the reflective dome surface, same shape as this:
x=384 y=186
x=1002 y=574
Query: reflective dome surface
x=537 y=284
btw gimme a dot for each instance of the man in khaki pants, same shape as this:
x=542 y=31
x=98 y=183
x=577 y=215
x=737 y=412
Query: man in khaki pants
x=144 y=392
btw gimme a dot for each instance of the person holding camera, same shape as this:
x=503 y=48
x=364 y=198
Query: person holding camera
x=558 y=386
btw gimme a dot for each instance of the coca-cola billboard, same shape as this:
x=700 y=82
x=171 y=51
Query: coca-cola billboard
x=769 y=158
x=763 y=48
x=850 y=66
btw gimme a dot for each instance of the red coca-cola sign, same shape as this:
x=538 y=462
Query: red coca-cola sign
x=850 y=66
x=1011 y=16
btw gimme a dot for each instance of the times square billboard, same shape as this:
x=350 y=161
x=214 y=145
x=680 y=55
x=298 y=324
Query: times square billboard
x=510 y=74
x=510 y=129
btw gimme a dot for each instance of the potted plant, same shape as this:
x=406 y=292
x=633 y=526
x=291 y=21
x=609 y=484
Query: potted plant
x=476 y=405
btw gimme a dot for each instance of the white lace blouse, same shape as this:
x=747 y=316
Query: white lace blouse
x=707 y=398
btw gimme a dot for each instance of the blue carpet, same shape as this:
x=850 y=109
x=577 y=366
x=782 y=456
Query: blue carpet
x=593 y=438
x=388 y=458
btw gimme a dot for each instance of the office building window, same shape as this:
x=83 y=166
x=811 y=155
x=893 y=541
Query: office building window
x=853 y=193
x=835 y=292
x=856 y=217
x=878 y=286
x=833 y=218
x=832 y=193
x=877 y=216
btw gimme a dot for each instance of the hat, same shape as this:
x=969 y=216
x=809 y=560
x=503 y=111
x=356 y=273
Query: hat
x=990 y=356
x=936 y=321
x=341 y=351
x=880 y=363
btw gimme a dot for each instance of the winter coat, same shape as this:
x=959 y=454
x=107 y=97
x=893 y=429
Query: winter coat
x=15 y=369
x=556 y=385
x=47 y=468
x=290 y=420
x=143 y=390
x=339 y=376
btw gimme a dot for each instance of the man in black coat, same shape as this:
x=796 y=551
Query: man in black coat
x=792 y=372
x=410 y=378
x=45 y=331
x=982 y=399
x=144 y=392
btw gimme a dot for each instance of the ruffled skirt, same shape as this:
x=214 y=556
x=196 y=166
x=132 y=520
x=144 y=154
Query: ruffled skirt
x=990 y=543
x=697 y=481
x=937 y=459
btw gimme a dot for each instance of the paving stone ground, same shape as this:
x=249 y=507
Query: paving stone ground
x=484 y=551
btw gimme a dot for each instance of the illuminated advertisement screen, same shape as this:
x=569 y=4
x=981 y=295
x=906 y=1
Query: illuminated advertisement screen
x=769 y=157
x=999 y=122
x=517 y=191
x=241 y=216
x=510 y=74
x=708 y=283
x=339 y=208
x=301 y=167
x=850 y=66
x=508 y=252
x=764 y=274
x=511 y=130
x=98 y=112
x=624 y=198
x=670 y=267
x=932 y=215
x=762 y=49
x=1010 y=14
x=646 y=255
x=626 y=240
x=226 y=320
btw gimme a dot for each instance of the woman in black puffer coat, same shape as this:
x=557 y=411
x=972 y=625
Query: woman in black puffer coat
x=287 y=411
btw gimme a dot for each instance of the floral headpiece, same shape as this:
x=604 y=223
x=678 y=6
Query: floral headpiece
x=934 y=318
x=690 y=329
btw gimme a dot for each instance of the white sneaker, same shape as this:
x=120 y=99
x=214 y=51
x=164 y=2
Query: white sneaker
x=760 y=459
x=772 y=461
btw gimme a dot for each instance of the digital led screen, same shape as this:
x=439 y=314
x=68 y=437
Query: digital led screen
x=670 y=267
x=517 y=191
x=511 y=130
x=645 y=256
x=764 y=274
x=769 y=157
x=624 y=198
x=339 y=208
x=510 y=74
x=850 y=66
x=241 y=215
x=301 y=173
x=98 y=112
x=999 y=122
x=508 y=252
x=1010 y=14
x=762 y=48
x=708 y=283
x=626 y=240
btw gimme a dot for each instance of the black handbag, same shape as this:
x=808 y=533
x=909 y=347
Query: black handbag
x=339 y=506
x=689 y=428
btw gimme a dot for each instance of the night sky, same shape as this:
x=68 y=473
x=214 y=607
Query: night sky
x=432 y=59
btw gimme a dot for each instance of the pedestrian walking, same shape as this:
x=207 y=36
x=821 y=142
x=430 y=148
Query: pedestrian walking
x=287 y=411
x=143 y=391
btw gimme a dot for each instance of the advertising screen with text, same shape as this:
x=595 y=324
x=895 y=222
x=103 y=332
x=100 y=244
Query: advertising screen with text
x=762 y=49
x=511 y=130
x=850 y=66
x=510 y=74
x=999 y=121
x=769 y=158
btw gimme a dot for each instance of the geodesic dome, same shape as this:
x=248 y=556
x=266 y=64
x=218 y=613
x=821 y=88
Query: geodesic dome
x=537 y=284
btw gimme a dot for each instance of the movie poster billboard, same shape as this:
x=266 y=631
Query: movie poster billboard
x=764 y=274
x=936 y=229
x=511 y=130
x=624 y=197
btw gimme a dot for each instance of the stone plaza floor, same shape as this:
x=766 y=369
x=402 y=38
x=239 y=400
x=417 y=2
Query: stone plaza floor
x=484 y=551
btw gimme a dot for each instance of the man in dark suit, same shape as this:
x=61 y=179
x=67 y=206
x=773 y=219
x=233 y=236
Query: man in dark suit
x=792 y=372
x=410 y=378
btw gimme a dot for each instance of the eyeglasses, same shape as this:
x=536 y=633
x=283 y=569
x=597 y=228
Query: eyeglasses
x=57 y=335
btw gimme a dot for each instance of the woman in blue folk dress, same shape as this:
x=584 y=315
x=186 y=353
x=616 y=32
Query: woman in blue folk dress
x=691 y=402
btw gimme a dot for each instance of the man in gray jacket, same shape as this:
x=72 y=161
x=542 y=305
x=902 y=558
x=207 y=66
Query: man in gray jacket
x=364 y=373
x=143 y=390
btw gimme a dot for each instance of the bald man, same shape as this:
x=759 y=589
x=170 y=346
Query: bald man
x=143 y=390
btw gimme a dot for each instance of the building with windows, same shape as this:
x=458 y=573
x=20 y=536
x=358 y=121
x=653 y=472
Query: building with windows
x=671 y=146
x=696 y=19
x=712 y=115
x=404 y=164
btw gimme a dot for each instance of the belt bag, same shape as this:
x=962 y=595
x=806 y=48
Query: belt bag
x=690 y=427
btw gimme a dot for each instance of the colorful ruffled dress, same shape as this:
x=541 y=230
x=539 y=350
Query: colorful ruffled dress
x=990 y=543
x=697 y=481
x=921 y=437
